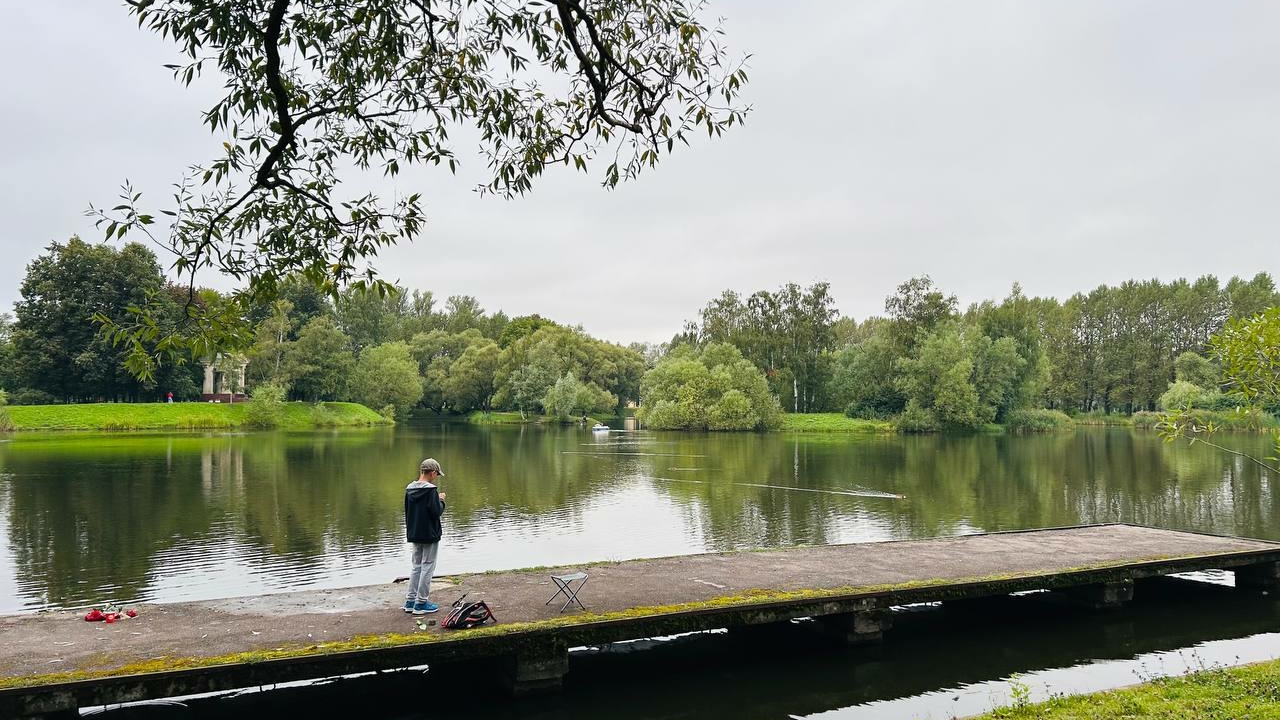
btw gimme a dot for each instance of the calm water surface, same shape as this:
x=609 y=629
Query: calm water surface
x=166 y=517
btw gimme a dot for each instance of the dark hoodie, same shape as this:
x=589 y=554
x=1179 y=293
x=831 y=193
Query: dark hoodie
x=422 y=510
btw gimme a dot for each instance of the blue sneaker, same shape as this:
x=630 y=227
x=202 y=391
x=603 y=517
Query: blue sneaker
x=408 y=606
x=425 y=607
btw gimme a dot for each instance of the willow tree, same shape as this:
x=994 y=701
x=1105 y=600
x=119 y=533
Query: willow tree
x=320 y=95
x=1248 y=350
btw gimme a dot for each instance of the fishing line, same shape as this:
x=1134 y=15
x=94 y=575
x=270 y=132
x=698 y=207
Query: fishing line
x=851 y=493
x=580 y=452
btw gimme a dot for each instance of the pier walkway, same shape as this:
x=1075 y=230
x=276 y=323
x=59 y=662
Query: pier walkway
x=53 y=662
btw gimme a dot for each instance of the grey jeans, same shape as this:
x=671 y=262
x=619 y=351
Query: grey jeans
x=424 y=566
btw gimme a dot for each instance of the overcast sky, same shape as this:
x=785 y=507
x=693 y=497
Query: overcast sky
x=1061 y=145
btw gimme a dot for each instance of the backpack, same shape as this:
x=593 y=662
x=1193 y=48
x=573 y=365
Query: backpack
x=467 y=615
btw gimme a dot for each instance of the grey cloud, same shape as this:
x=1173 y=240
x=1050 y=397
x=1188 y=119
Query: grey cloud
x=1059 y=144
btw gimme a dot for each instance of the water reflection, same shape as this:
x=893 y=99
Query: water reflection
x=170 y=517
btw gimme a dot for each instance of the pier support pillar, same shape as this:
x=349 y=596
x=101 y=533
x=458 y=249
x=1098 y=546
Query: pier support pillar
x=536 y=669
x=54 y=705
x=1263 y=576
x=857 y=628
x=1098 y=596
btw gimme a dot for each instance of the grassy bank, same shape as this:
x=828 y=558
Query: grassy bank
x=182 y=416
x=1101 y=419
x=513 y=418
x=1238 y=421
x=832 y=422
x=1252 y=691
x=1241 y=421
x=1037 y=421
x=500 y=418
x=1020 y=421
x=791 y=422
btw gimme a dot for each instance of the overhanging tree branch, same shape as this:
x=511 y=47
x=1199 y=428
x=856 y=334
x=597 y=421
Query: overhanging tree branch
x=312 y=89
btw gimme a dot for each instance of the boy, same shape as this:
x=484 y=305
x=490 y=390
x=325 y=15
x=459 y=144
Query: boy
x=423 y=506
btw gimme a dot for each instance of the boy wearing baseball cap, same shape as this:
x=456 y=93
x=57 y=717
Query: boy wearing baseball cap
x=423 y=506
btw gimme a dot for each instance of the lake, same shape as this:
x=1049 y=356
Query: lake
x=90 y=518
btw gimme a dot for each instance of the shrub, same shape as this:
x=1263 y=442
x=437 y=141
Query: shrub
x=1098 y=417
x=1147 y=419
x=864 y=412
x=1243 y=419
x=1030 y=421
x=5 y=422
x=715 y=389
x=322 y=416
x=27 y=396
x=388 y=411
x=1226 y=402
x=917 y=419
x=666 y=414
x=733 y=411
x=1183 y=394
x=1252 y=419
x=265 y=408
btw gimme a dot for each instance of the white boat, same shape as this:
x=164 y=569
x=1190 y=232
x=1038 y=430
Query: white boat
x=599 y=428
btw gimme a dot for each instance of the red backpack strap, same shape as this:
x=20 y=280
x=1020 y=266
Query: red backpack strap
x=451 y=620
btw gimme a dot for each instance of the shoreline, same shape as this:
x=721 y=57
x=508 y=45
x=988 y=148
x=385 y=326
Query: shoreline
x=182 y=416
x=838 y=423
x=1237 y=691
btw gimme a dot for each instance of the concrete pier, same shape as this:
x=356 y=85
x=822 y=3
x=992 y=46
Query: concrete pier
x=52 y=663
x=1099 y=596
x=536 y=668
x=1261 y=576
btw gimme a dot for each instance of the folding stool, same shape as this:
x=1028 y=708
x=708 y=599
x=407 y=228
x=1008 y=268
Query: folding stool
x=565 y=585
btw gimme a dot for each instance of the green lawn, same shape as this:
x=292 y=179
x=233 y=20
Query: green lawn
x=180 y=416
x=1251 y=692
x=479 y=417
x=498 y=418
x=832 y=422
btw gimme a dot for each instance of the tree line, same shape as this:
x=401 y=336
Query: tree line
x=392 y=351
x=931 y=366
x=1140 y=345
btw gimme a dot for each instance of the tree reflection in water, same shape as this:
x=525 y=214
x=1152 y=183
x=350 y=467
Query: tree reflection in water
x=186 y=516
